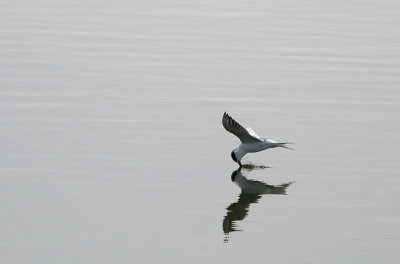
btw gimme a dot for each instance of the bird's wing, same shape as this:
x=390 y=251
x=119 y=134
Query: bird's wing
x=245 y=135
x=253 y=133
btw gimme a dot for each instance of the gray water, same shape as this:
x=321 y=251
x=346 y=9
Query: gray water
x=113 y=151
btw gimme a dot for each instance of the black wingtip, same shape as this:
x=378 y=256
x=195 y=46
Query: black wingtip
x=226 y=116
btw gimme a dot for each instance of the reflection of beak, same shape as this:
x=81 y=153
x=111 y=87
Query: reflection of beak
x=240 y=164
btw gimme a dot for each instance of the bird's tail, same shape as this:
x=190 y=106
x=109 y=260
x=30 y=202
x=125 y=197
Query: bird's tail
x=285 y=185
x=283 y=145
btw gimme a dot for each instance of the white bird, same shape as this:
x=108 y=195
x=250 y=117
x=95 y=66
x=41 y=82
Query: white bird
x=251 y=142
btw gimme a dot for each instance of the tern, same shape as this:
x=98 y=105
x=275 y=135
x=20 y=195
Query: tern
x=251 y=142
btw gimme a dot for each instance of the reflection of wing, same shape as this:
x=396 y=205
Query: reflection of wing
x=238 y=211
x=245 y=135
x=251 y=193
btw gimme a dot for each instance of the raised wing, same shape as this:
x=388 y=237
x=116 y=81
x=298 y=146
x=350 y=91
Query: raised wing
x=245 y=135
x=253 y=133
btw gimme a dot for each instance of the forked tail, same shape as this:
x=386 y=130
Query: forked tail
x=283 y=145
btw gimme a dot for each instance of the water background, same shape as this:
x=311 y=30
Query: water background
x=112 y=147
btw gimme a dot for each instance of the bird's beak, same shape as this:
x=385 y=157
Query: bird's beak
x=240 y=164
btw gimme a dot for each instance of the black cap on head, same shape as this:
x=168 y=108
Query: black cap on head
x=233 y=156
x=233 y=176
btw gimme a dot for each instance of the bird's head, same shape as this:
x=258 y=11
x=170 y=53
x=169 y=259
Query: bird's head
x=234 y=156
x=237 y=155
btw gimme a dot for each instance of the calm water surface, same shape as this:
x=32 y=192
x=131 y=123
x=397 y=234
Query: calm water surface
x=112 y=148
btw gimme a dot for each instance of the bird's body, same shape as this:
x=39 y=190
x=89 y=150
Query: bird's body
x=251 y=142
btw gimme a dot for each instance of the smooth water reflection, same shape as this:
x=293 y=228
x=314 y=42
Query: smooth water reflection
x=251 y=192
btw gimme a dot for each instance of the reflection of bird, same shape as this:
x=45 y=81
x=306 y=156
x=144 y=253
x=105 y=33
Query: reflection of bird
x=257 y=187
x=251 y=193
x=251 y=142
